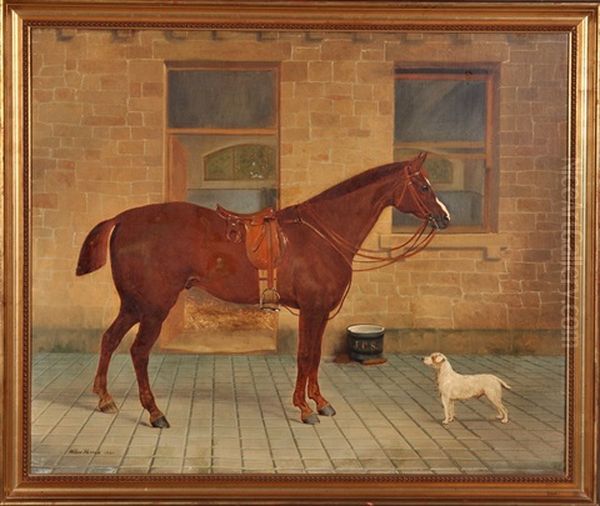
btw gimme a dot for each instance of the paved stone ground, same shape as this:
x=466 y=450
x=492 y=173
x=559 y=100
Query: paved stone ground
x=233 y=414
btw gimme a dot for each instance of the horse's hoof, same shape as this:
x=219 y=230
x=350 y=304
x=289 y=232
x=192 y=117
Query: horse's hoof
x=311 y=419
x=327 y=410
x=160 y=422
x=108 y=407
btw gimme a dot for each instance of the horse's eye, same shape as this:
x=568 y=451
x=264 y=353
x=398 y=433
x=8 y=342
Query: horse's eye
x=425 y=188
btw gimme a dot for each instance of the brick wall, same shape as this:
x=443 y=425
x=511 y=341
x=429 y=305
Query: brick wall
x=99 y=148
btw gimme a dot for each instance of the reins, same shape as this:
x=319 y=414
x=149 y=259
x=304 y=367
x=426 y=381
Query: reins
x=413 y=245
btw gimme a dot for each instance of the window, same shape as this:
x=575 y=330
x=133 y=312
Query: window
x=447 y=112
x=222 y=127
x=223 y=148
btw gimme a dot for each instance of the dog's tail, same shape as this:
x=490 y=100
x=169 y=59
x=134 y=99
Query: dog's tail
x=504 y=384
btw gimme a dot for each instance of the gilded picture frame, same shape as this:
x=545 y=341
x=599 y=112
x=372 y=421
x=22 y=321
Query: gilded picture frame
x=576 y=22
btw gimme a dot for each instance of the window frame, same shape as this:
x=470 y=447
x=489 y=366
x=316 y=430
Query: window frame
x=173 y=183
x=464 y=72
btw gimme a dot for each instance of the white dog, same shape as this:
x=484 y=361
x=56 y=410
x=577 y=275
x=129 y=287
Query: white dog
x=454 y=386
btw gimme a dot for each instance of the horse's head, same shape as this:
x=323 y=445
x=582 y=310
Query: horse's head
x=415 y=195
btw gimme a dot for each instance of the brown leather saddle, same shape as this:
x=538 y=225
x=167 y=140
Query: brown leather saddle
x=265 y=244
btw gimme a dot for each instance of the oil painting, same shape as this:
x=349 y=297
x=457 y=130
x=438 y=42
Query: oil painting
x=306 y=250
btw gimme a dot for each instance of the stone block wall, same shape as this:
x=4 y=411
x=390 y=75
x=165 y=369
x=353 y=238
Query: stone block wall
x=98 y=104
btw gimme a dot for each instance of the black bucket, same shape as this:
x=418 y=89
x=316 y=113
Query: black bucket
x=365 y=341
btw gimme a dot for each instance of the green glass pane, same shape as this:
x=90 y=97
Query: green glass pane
x=254 y=161
x=219 y=165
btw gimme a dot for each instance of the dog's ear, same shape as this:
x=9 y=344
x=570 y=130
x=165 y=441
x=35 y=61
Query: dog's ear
x=439 y=358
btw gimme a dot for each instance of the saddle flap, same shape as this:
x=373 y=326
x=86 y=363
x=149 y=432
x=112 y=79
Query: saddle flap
x=265 y=244
x=262 y=235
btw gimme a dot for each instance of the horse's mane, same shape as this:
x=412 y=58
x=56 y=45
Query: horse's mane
x=356 y=182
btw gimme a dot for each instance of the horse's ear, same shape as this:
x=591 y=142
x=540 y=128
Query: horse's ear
x=419 y=161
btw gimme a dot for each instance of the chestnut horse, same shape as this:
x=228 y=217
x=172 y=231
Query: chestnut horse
x=158 y=250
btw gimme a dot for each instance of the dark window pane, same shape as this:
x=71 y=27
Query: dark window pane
x=221 y=99
x=440 y=110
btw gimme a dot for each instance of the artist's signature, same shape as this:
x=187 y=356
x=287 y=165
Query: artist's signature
x=85 y=451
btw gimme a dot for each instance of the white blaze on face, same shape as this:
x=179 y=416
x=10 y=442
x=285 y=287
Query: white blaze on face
x=440 y=203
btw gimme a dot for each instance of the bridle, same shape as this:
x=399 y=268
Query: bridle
x=409 y=186
x=415 y=244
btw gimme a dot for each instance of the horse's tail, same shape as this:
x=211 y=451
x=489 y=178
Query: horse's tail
x=93 y=251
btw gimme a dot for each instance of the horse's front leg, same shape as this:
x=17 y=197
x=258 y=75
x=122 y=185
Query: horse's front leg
x=312 y=325
x=313 y=390
x=323 y=406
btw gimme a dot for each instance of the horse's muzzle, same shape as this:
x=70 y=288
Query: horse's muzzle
x=439 y=222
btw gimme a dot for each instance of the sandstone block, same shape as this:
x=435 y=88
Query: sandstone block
x=103 y=66
x=324 y=119
x=308 y=90
x=306 y=53
x=294 y=71
x=479 y=315
x=152 y=89
x=362 y=92
x=364 y=107
x=143 y=70
x=319 y=71
x=45 y=200
x=40 y=96
x=66 y=113
x=523 y=318
x=372 y=55
x=338 y=50
x=338 y=91
x=432 y=306
x=479 y=282
x=516 y=75
x=103 y=120
x=344 y=71
x=536 y=255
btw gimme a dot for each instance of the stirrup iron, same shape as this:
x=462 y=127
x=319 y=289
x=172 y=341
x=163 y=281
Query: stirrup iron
x=269 y=300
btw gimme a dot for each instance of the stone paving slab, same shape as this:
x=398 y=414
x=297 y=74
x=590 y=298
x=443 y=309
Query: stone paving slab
x=233 y=414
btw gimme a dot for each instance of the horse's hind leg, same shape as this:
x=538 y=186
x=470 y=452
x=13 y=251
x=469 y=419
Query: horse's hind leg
x=110 y=340
x=140 y=352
